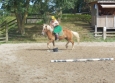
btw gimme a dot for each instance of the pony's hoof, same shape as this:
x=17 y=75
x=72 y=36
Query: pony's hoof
x=48 y=50
x=48 y=47
x=66 y=47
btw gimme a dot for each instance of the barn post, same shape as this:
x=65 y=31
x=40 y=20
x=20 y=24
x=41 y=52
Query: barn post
x=104 y=33
x=96 y=15
x=114 y=21
x=95 y=30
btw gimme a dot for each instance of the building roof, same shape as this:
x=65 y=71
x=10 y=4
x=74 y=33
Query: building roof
x=101 y=1
x=107 y=6
x=106 y=1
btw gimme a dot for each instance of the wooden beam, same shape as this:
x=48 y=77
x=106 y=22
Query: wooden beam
x=104 y=33
x=6 y=32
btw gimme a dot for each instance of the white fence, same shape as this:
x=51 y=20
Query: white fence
x=105 y=22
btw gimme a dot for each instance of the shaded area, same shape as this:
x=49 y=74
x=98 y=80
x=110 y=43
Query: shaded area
x=80 y=25
x=32 y=34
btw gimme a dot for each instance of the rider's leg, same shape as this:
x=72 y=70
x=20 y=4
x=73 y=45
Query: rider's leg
x=56 y=36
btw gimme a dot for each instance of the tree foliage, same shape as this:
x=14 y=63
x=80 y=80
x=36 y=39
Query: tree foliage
x=21 y=8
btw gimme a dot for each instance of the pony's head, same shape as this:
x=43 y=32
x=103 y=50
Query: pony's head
x=46 y=28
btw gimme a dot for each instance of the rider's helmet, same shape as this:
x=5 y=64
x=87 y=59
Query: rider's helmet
x=53 y=18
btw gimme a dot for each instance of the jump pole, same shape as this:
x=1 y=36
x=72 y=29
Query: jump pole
x=84 y=60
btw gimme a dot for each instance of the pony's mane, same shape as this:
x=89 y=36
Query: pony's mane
x=48 y=27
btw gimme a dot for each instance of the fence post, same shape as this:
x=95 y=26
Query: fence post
x=104 y=33
x=95 y=30
x=6 y=32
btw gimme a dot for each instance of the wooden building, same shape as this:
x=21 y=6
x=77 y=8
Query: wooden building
x=103 y=16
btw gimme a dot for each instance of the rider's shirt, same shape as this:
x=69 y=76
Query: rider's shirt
x=54 y=23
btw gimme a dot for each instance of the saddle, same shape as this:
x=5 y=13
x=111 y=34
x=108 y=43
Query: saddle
x=61 y=33
x=58 y=35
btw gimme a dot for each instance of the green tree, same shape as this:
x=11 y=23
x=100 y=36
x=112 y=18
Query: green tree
x=61 y=5
x=43 y=7
x=79 y=6
x=20 y=8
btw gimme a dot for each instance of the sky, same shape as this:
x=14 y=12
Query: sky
x=0 y=5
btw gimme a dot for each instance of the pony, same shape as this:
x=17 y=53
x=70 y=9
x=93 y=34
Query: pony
x=67 y=34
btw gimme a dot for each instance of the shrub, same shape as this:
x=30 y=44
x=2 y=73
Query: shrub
x=82 y=17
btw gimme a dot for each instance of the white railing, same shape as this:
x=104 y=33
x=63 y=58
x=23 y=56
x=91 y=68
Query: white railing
x=106 y=22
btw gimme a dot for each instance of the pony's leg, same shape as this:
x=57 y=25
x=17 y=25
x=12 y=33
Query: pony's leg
x=67 y=45
x=49 y=43
x=53 y=42
x=72 y=44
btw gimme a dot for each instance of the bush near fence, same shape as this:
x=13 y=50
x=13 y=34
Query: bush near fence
x=80 y=17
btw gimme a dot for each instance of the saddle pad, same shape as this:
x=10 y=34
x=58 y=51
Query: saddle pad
x=61 y=33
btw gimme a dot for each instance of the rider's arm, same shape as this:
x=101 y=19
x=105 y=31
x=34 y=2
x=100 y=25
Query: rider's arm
x=51 y=24
x=56 y=23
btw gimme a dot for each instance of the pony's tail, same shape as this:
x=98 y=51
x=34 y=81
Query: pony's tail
x=76 y=35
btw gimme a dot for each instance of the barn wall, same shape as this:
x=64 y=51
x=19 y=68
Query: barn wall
x=106 y=21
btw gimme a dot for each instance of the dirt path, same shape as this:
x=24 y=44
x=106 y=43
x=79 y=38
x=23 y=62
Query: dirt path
x=30 y=63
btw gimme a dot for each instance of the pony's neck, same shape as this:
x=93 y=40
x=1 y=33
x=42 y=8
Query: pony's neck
x=50 y=28
x=49 y=33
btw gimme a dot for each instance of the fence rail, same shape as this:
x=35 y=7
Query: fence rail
x=4 y=28
x=33 y=19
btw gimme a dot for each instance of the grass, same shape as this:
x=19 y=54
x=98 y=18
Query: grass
x=6 y=18
x=33 y=32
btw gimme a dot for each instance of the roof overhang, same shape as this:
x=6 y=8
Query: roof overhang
x=109 y=1
x=102 y=1
x=107 y=6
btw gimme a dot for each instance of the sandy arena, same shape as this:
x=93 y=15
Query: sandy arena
x=30 y=63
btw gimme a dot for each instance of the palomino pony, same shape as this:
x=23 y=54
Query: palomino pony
x=67 y=34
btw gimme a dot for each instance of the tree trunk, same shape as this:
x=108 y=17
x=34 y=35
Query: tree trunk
x=60 y=15
x=20 y=22
x=21 y=17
